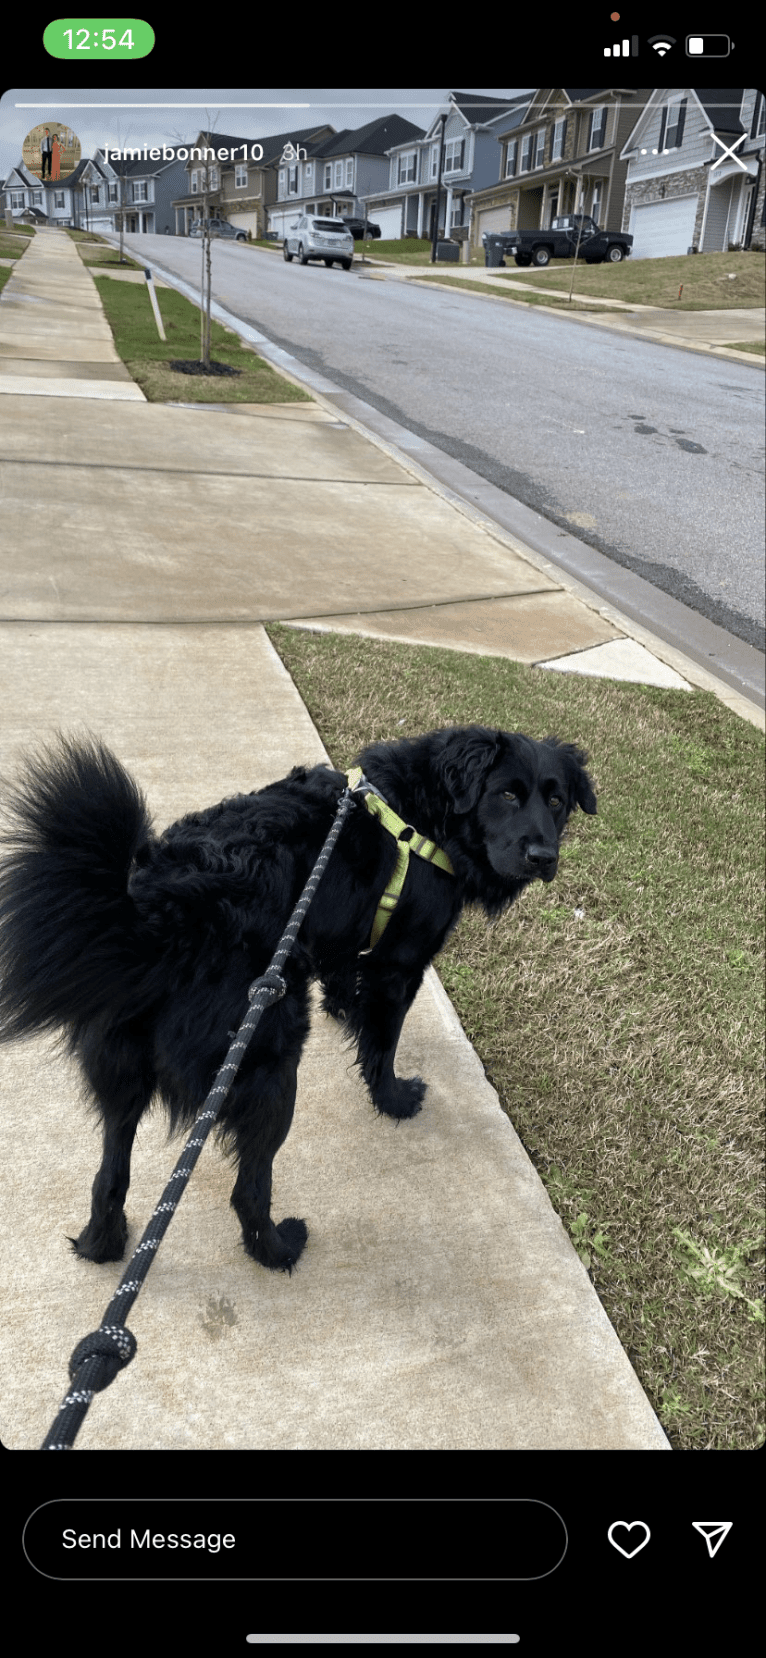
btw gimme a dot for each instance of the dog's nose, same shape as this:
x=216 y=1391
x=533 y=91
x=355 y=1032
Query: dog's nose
x=544 y=860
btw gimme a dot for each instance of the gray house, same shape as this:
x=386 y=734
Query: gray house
x=338 y=174
x=471 y=127
x=137 y=182
x=695 y=174
x=47 y=203
x=143 y=183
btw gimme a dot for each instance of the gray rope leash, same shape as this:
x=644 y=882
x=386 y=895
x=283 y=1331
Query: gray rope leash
x=97 y=1359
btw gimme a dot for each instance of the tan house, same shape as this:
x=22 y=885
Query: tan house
x=563 y=156
x=241 y=176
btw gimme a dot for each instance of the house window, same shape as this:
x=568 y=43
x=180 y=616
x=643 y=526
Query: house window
x=58 y=198
x=349 y=174
x=292 y=181
x=95 y=194
x=139 y=190
x=407 y=168
x=672 y=125
x=597 y=135
x=338 y=175
x=759 y=116
x=540 y=148
x=526 y=153
x=434 y=160
x=240 y=177
x=195 y=182
x=113 y=192
x=511 y=158
x=328 y=177
x=454 y=152
x=17 y=198
x=559 y=135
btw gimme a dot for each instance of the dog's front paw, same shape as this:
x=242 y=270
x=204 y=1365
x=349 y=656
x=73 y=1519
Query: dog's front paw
x=106 y=1243
x=278 y=1247
x=402 y=1098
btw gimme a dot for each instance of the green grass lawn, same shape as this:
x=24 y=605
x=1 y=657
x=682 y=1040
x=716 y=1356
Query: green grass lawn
x=13 y=243
x=128 y=311
x=618 y=1012
x=710 y=281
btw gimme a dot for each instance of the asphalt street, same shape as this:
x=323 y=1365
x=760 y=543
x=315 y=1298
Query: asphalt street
x=652 y=456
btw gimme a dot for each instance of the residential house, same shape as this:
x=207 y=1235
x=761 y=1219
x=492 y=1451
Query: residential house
x=564 y=156
x=338 y=174
x=407 y=205
x=140 y=182
x=95 y=194
x=241 y=176
x=44 y=203
x=143 y=181
x=695 y=174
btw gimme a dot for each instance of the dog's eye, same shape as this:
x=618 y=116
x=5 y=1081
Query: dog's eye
x=555 y=801
x=508 y=794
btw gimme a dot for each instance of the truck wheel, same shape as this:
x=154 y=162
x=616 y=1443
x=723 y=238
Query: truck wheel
x=615 y=254
x=541 y=256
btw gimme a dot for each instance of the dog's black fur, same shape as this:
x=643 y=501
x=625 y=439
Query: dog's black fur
x=141 y=950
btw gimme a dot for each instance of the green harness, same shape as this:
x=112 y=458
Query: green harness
x=407 y=839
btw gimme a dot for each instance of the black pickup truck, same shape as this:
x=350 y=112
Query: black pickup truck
x=560 y=241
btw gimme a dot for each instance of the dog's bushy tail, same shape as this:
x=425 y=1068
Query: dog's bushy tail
x=70 y=946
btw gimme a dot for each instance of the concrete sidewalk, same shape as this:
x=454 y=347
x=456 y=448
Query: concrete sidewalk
x=439 y=1303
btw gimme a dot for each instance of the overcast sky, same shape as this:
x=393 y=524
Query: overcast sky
x=175 y=117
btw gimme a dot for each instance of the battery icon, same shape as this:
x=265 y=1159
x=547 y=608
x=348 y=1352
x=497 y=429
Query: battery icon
x=708 y=46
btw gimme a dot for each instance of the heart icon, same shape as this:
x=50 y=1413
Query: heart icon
x=627 y=1526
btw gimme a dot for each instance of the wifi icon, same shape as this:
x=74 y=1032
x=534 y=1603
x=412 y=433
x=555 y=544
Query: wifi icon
x=661 y=43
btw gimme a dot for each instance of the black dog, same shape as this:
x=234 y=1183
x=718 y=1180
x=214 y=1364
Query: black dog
x=141 y=950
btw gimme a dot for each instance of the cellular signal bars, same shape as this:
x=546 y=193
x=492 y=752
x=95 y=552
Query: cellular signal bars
x=628 y=49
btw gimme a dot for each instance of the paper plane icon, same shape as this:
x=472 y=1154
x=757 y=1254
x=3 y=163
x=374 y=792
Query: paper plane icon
x=713 y=1532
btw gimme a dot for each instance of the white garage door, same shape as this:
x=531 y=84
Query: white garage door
x=390 y=221
x=281 y=219
x=663 y=227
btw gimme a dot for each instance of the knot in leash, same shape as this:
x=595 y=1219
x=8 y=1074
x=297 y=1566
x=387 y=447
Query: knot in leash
x=112 y=1346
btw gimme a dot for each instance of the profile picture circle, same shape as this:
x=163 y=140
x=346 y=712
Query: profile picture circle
x=51 y=150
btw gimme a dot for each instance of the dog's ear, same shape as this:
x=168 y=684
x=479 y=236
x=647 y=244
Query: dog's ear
x=464 y=763
x=575 y=760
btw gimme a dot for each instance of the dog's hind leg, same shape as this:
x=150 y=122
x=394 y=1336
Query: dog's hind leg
x=260 y=1114
x=122 y=1083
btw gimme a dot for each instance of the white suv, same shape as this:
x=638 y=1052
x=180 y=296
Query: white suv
x=327 y=239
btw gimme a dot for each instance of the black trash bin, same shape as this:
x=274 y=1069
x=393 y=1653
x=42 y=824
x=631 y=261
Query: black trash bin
x=493 y=249
x=448 y=251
